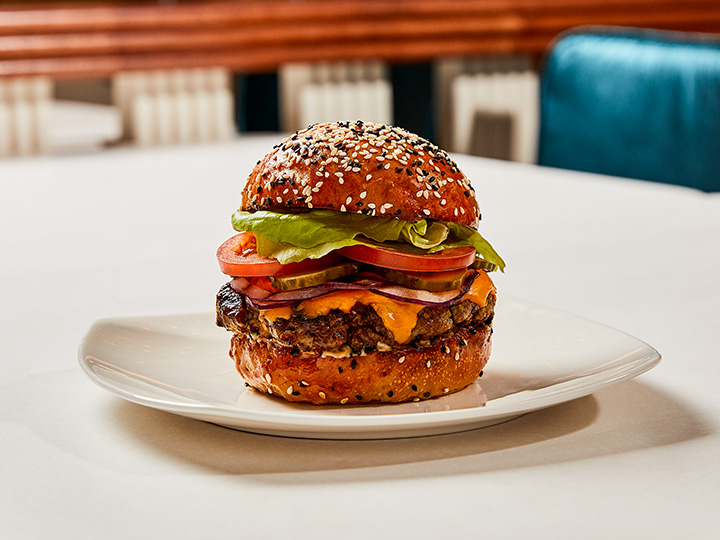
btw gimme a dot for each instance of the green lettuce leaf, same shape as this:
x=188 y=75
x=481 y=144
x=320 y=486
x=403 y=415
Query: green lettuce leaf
x=310 y=229
x=293 y=237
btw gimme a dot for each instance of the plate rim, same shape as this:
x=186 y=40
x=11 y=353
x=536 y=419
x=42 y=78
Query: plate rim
x=306 y=423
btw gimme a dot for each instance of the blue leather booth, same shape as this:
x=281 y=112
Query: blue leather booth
x=633 y=103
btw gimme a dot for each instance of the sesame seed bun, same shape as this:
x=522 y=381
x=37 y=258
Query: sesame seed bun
x=445 y=367
x=362 y=168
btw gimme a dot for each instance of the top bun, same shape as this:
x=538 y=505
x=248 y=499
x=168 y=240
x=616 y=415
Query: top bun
x=365 y=168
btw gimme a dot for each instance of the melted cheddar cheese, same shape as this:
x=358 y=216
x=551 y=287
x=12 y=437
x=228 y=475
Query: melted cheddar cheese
x=399 y=317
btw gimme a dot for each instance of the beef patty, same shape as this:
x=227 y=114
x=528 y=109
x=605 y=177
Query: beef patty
x=361 y=328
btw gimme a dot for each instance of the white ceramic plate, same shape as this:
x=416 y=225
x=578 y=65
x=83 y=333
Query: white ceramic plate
x=180 y=364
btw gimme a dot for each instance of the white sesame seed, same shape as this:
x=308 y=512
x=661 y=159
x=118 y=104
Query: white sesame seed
x=446 y=390
x=401 y=360
x=267 y=377
x=322 y=395
x=462 y=210
x=341 y=181
x=289 y=390
x=416 y=399
x=339 y=174
x=443 y=202
x=269 y=390
x=368 y=177
x=428 y=363
x=319 y=184
x=342 y=208
x=327 y=174
x=457 y=356
x=318 y=173
x=363 y=194
x=387 y=165
x=278 y=199
x=419 y=194
x=344 y=400
x=426 y=211
x=371 y=205
x=348 y=200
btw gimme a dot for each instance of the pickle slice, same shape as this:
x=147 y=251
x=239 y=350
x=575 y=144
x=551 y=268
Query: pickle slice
x=482 y=264
x=427 y=281
x=310 y=279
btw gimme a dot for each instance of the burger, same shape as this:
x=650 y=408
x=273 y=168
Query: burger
x=358 y=274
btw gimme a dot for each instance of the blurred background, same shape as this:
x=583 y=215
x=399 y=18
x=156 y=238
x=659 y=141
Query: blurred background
x=77 y=76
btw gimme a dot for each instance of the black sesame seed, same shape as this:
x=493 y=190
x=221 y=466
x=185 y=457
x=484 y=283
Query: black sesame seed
x=296 y=393
x=408 y=171
x=303 y=384
x=340 y=370
x=414 y=387
x=467 y=193
x=390 y=393
x=481 y=374
x=353 y=363
x=259 y=189
x=472 y=330
x=358 y=397
x=426 y=394
x=294 y=351
x=398 y=169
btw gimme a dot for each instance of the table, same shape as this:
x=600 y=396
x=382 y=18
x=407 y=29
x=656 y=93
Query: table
x=128 y=232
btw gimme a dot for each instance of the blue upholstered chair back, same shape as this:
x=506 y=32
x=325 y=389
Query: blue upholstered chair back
x=633 y=103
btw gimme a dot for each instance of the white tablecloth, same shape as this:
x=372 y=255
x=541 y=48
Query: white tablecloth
x=133 y=232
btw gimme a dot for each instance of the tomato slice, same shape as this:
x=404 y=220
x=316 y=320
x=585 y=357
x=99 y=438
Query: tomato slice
x=238 y=257
x=441 y=261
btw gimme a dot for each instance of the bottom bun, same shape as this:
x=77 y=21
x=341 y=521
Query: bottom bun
x=394 y=376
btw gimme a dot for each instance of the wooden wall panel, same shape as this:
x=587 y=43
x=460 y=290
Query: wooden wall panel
x=259 y=35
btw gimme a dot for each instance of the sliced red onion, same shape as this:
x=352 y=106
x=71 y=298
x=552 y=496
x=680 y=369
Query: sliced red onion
x=239 y=284
x=393 y=292
x=426 y=298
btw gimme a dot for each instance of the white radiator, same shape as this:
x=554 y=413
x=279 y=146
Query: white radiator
x=325 y=92
x=489 y=107
x=175 y=107
x=25 y=110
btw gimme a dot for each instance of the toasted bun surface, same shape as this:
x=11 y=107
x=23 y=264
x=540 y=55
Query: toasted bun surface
x=364 y=168
x=447 y=366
